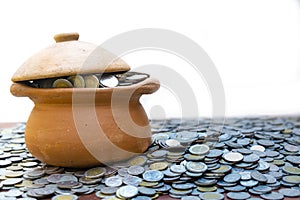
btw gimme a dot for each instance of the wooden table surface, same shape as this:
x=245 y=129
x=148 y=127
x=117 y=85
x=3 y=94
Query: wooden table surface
x=93 y=196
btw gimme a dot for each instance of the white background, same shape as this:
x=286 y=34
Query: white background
x=255 y=46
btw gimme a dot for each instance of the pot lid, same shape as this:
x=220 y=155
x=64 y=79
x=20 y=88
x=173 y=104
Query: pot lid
x=67 y=57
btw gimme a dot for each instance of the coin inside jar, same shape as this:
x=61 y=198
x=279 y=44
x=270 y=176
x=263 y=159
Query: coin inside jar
x=108 y=80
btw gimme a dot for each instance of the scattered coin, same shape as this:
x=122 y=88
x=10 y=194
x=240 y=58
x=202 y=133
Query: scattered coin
x=153 y=176
x=272 y=196
x=199 y=149
x=128 y=191
x=96 y=172
x=287 y=192
x=233 y=157
x=238 y=195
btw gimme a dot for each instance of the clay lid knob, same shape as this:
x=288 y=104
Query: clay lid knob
x=63 y=37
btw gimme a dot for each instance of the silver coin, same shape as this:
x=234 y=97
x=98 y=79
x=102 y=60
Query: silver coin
x=272 y=196
x=132 y=180
x=108 y=80
x=128 y=191
x=232 y=178
x=135 y=170
x=153 y=175
x=114 y=181
x=287 y=192
x=238 y=195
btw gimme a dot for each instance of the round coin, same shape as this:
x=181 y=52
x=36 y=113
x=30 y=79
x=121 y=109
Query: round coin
x=196 y=167
x=135 y=170
x=96 y=172
x=128 y=191
x=211 y=196
x=287 y=192
x=233 y=157
x=65 y=197
x=273 y=196
x=238 y=195
x=199 y=149
x=62 y=83
x=108 y=80
x=77 y=81
x=232 y=178
x=114 y=181
x=91 y=81
x=153 y=176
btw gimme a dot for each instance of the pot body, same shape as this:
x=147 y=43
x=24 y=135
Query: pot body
x=84 y=128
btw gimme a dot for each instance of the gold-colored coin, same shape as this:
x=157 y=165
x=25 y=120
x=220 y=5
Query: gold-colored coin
x=77 y=81
x=148 y=184
x=207 y=189
x=91 y=81
x=139 y=160
x=159 y=166
x=62 y=83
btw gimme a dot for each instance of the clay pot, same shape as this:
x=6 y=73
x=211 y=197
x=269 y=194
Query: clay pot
x=82 y=127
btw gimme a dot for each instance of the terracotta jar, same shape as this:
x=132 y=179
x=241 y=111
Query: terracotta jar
x=82 y=127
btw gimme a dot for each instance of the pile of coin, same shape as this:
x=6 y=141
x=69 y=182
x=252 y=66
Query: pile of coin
x=258 y=157
x=90 y=80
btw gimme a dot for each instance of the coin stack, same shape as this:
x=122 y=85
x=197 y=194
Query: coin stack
x=253 y=158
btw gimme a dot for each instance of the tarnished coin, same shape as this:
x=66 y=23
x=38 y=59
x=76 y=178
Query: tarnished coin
x=199 y=149
x=91 y=81
x=77 y=81
x=153 y=175
x=159 y=166
x=114 y=181
x=222 y=169
x=207 y=188
x=211 y=196
x=238 y=195
x=287 y=192
x=128 y=191
x=197 y=167
x=135 y=170
x=96 y=172
x=62 y=83
x=233 y=157
x=67 y=184
x=293 y=179
x=139 y=160
x=108 y=80
x=291 y=170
